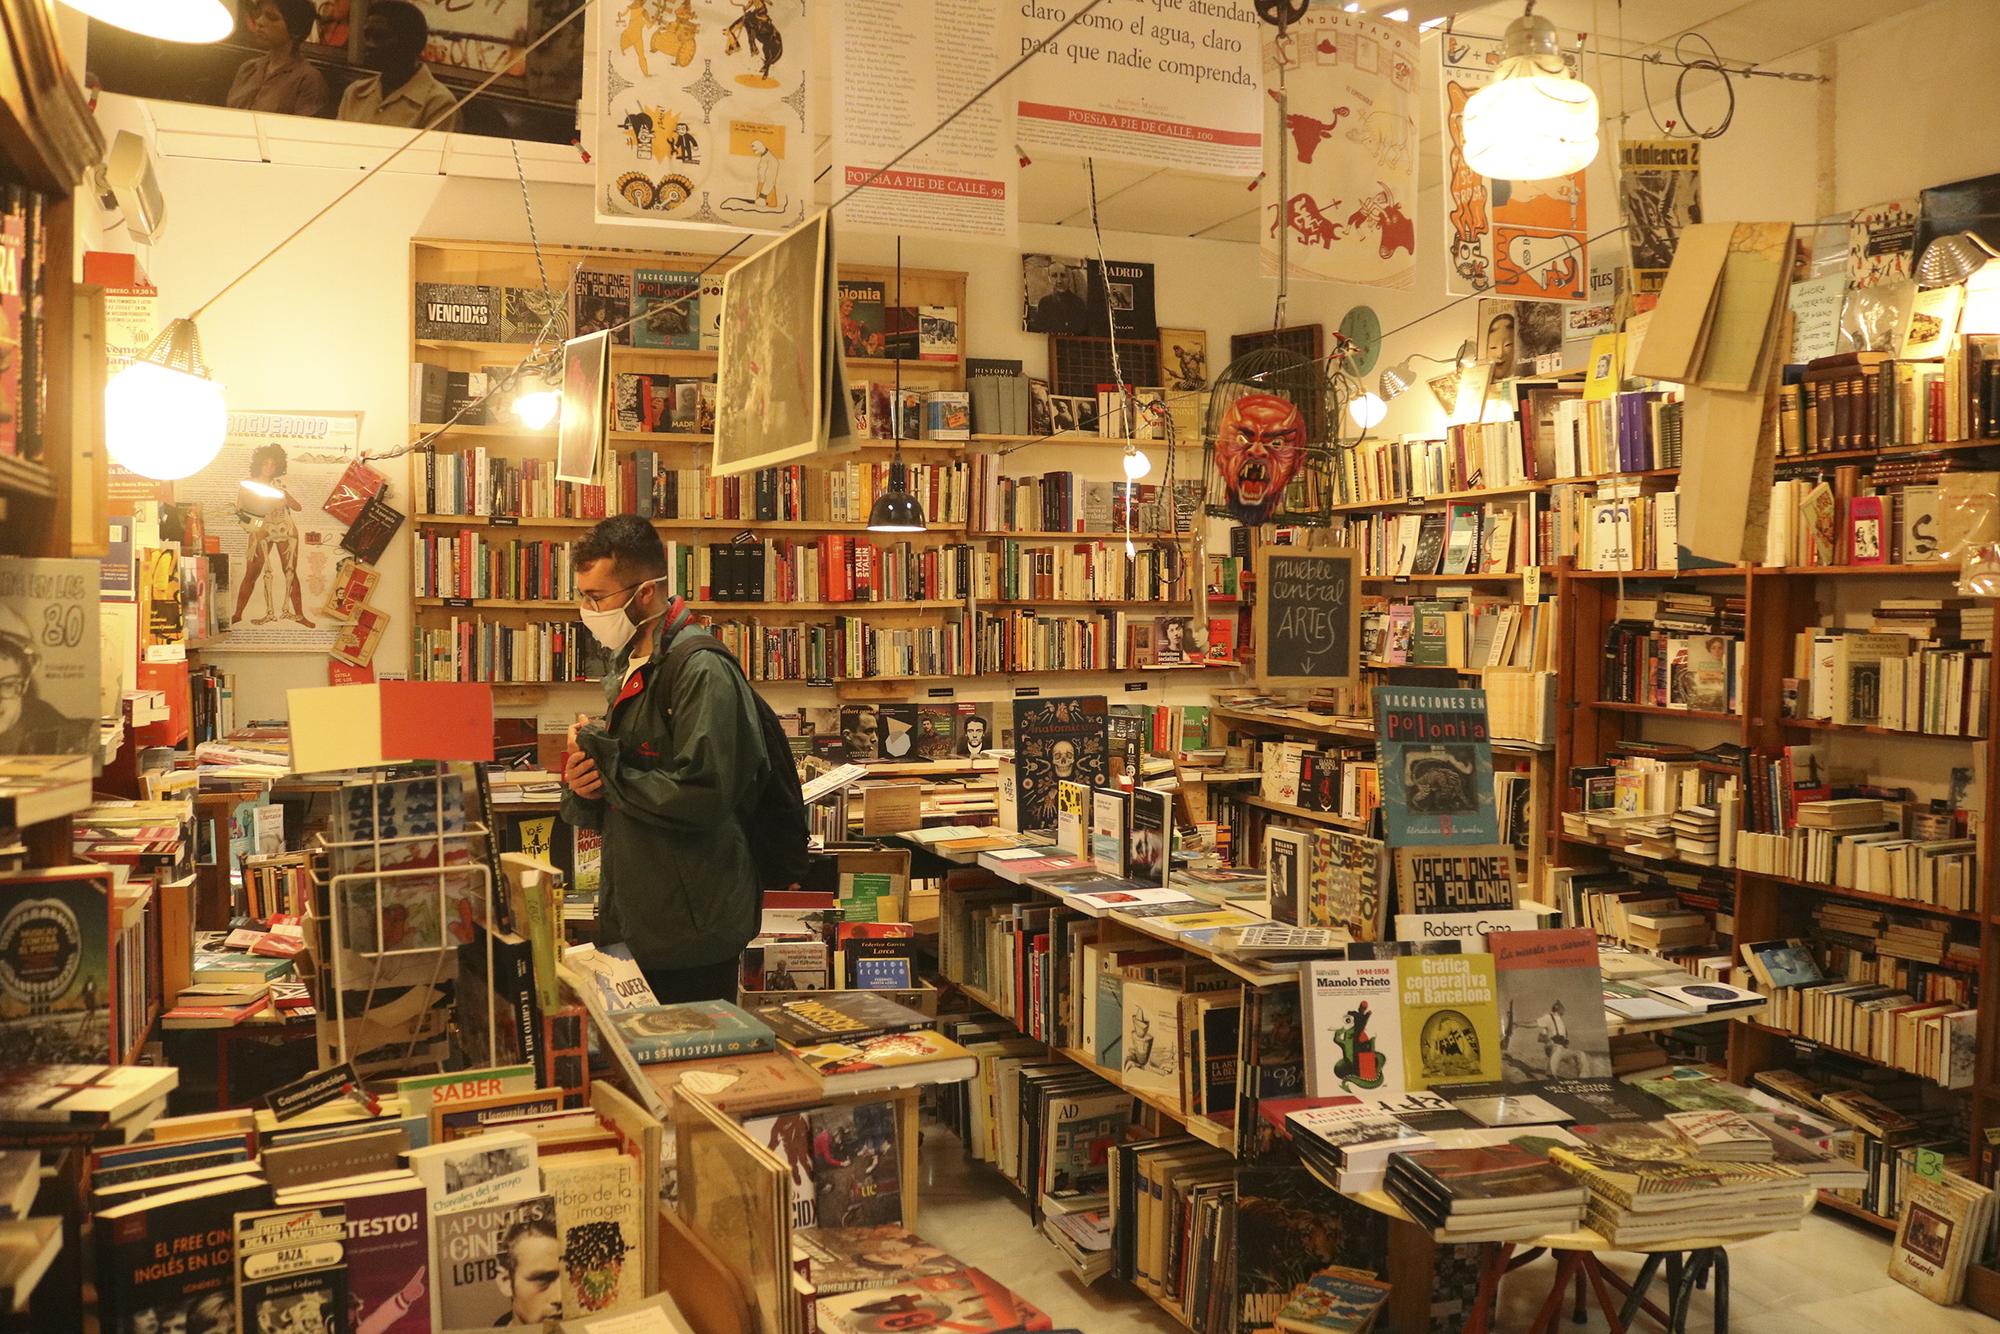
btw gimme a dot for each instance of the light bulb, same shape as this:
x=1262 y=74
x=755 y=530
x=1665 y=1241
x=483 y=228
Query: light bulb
x=539 y=408
x=264 y=489
x=1137 y=465
x=1533 y=122
x=1368 y=411
x=171 y=20
x=162 y=423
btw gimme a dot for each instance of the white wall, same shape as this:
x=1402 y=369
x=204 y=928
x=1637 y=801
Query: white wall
x=326 y=324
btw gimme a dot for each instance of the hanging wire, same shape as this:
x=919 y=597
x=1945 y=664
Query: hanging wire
x=1704 y=64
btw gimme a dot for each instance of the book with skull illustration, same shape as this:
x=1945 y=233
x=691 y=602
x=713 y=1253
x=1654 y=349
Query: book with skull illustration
x=1057 y=739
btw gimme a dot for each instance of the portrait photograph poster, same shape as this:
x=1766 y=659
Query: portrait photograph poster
x=781 y=383
x=284 y=547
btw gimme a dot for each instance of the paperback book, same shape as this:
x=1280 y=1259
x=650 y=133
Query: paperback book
x=1551 y=1004
x=1451 y=1027
x=1437 y=767
x=1353 y=1014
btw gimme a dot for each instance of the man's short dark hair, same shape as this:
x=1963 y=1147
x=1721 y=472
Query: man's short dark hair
x=632 y=545
x=408 y=21
x=536 y=1226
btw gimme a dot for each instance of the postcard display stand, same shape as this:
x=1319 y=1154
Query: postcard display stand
x=403 y=969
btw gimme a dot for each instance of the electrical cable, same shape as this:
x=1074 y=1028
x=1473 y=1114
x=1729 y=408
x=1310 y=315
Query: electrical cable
x=1711 y=63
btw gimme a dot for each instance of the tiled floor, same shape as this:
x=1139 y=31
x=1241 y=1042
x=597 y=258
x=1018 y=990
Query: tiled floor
x=1829 y=1278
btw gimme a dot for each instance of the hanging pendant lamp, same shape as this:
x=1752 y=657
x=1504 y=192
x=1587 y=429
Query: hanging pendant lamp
x=1534 y=121
x=896 y=510
x=169 y=20
x=164 y=417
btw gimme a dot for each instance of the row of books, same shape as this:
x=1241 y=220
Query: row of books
x=1702 y=673
x=1082 y=572
x=1465 y=539
x=647 y=403
x=1932 y=1039
x=1060 y=501
x=465 y=565
x=1870 y=400
x=1630 y=431
x=1028 y=640
x=1916 y=670
x=1943 y=873
x=1468 y=633
x=472 y=648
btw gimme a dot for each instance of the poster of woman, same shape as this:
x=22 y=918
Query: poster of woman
x=263 y=499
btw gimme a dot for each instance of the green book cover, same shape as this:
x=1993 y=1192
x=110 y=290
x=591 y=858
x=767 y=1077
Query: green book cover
x=1451 y=1019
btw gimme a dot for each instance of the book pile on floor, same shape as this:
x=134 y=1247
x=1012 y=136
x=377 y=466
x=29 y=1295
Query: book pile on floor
x=1336 y=1300
x=868 y=1277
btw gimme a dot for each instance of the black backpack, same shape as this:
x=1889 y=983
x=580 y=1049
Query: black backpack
x=776 y=821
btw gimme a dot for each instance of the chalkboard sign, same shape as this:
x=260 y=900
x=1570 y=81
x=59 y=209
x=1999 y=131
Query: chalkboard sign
x=1308 y=622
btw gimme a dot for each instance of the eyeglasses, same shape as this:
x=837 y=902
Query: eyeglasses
x=13 y=687
x=596 y=601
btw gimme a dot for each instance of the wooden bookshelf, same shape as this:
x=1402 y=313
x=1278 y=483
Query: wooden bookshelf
x=1778 y=603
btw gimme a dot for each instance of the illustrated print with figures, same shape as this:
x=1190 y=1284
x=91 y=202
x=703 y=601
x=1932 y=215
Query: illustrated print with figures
x=1341 y=107
x=704 y=112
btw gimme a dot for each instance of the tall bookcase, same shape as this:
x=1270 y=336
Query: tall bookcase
x=1779 y=602
x=502 y=264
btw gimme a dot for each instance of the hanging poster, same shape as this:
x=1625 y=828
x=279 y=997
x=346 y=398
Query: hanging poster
x=1659 y=193
x=1515 y=238
x=264 y=499
x=1167 y=83
x=580 y=428
x=1350 y=194
x=701 y=112
x=1881 y=241
x=900 y=67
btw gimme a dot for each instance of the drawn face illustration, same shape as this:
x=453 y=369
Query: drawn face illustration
x=1258 y=449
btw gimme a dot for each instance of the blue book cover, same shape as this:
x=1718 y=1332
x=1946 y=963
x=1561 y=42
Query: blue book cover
x=1437 y=766
x=692 y=1029
x=887 y=974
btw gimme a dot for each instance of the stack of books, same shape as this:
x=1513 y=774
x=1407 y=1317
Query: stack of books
x=1350 y=1143
x=1501 y=1192
x=1720 y=1136
x=1638 y=1200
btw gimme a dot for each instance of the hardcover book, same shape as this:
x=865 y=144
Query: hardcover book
x=57 y=987
x=737 y=1084
x=1451 y=1027
x=1108 y=815
x=499 y=1264
x=887 y=1060
x=1336 y=1300
x=600 y=1227
x=1150 y=846
x=1454 y=879
x=838 y=1015
x=1344 y=886
x=1499 y=1178
x=1150 y=1055
x=857 y=1165
x=1551 y=1004
x=1287 y=860
x=669 y=306
x=291 y=1269
x=1353 y=1020
x=693 y=1028
x=1065 y=737
x=861 y=305
x=462 y=311
x=1437 y=767
x=167 y=1253
x=601 y=299
x=493 y=1168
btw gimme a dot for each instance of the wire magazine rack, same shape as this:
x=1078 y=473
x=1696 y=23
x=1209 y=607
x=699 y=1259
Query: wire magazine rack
x=377 y=878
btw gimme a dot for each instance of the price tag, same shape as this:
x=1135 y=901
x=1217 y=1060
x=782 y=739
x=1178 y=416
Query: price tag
x=1930 y=1164
x=458 y=602
x=1027 y=692
x=1134 y=687
x=505 y=521
x=1549 y=363
x=819 y=681
x=940 y=692
x=1531 y=584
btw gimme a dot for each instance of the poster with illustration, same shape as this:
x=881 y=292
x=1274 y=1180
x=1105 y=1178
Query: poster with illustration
x=1659 y=194
x=702 y=112
x=1516 y=238
x=1347 y=124
x=264 y=498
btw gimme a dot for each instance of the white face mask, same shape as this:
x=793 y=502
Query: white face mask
x=614 y=628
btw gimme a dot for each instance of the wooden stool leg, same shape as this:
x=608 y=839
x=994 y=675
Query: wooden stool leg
x=1579 y=1311
x=1487 y=1299
x=1603 y=1290
x=1567 y=1263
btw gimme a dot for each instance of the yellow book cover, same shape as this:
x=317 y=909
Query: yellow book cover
x=1606 y=371
x=1451 y=1019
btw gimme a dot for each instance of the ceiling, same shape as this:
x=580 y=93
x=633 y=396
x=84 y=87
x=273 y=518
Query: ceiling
x=1054 y=190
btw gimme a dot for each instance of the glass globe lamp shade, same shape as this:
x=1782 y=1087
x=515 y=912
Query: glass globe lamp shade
x=164 y=417
x=538 y=409
x=169 y=20
x=1534 y=121
x=1368 y=410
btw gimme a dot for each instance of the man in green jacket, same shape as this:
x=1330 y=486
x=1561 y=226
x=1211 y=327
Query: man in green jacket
x=667 y=775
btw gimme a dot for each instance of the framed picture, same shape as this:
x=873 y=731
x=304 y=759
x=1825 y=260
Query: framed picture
x=586 y=364
x=1184 y=360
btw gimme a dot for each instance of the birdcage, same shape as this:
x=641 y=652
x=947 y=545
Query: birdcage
x=1269 y=445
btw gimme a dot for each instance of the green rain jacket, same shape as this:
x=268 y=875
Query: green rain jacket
x=680 y=774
